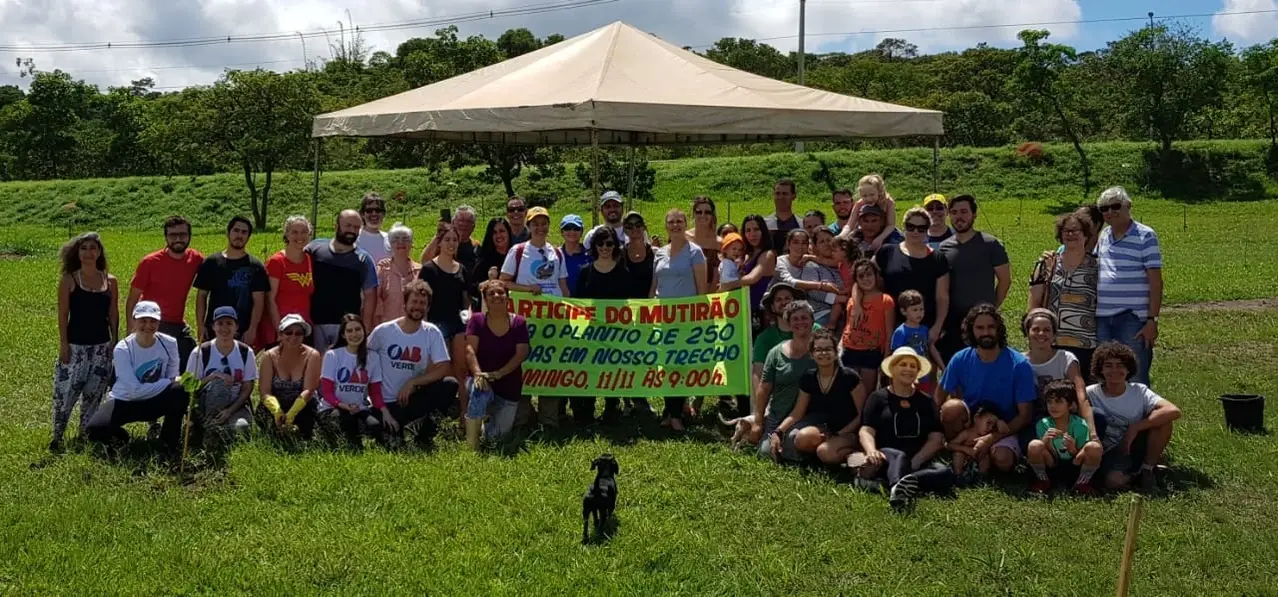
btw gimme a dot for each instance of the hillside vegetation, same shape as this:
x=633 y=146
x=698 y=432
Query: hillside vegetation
x=1200 y=171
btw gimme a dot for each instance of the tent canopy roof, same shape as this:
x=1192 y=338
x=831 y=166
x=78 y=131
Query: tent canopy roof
x=630 y=86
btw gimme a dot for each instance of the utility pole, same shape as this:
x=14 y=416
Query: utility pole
x=803 y=13
x=305 y=61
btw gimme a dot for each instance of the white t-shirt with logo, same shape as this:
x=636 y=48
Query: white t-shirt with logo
x=240 y=370
x=350 y=381
x=142 y=373
x=405 y=356
x=540 y=266
x=376 y=244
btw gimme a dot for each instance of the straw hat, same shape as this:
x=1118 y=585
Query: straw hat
x=925 y=366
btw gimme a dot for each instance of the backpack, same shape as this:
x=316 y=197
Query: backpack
x=206 y=352
x=519 y=256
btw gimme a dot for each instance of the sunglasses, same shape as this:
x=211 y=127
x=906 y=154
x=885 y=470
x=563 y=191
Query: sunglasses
x=375 y=210
x=292 y=332
x=516 y=210
x=606 y=244
x=226 y=366
x=571 y=229
x=1069 y=231
x=936 y=207
x=915 y=227
x=632 y=225
x=1111 y=207
x=704 y=212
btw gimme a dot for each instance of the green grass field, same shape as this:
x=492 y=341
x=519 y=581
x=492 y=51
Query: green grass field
x=694 y=518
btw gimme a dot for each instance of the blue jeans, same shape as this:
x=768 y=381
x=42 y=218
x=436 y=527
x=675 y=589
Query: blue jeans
x=1123 y=328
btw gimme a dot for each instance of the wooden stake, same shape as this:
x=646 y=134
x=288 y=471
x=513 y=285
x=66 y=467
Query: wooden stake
x=1129 y=546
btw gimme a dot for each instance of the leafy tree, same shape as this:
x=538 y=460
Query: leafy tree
x=517 y=42
x=614 y=174
x=1260 y=78
x=258 y=120
x=1037 y=81
x=1167 y=74
x=10 y=94
x=751 y=56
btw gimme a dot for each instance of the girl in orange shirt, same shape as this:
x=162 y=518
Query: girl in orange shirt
x=865 y=344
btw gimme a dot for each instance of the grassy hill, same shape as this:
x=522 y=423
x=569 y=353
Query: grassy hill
x=1200 y=171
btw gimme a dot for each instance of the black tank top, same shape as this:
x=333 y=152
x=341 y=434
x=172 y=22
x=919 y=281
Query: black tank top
x=87 y=321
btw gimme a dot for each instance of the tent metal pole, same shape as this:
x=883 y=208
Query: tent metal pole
x=630 y=185
x=936 y=164
x=315 y=183
x=594 y=174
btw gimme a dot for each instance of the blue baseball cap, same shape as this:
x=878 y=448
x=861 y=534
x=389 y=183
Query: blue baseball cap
x=224 y=311
x=572 y=220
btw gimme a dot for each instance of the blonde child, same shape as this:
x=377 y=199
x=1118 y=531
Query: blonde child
x=914 y=333
x=872 y=191
x=1062 y=441
x=984 y=422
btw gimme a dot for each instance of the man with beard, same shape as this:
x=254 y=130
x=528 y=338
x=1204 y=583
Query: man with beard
x=869 y=224
x=783 y=220
x=842 y=210
x=990 y=374
x=372 y=210
x=516 y=210
x=415 y=367
x=610 y=207
x=164 y=277
x=235 y=279
x=979 y=271
x=345 y=280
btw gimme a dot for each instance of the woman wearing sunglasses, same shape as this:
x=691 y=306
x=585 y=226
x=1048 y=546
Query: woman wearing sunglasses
x=606 y=277
x=679 y=271
x=293 y=369
x=496 y=346
x=705 y=235
x=937 y=211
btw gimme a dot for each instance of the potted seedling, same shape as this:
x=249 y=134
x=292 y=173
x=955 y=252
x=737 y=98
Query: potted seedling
x=192 y=386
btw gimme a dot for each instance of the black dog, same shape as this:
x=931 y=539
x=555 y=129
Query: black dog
x=601 y=499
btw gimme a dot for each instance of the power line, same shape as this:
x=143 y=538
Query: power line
x=524 y=10
x=1039 y=24
x=182 y=67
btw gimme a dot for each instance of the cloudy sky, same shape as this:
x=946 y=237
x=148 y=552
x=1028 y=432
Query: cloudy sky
x=37 y=29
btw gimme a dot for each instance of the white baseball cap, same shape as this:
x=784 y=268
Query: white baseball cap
x=293 y=319
x=146 y=310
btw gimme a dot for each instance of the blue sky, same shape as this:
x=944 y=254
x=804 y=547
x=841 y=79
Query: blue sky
x=698 y=23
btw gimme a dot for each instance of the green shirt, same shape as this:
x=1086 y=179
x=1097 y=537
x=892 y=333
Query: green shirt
x=770 y=337
x=784 y=374
x=1077 y=430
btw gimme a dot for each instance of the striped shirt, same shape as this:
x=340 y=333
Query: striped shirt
x=1123 y=285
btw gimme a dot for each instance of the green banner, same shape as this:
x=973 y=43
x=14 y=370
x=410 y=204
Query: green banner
x=695 y=346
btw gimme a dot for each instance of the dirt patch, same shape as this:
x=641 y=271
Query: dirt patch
x=1244 y=305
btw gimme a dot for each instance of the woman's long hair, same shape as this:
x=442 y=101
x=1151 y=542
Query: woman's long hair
x=601 y=234
x=361 y=353
x=765 y=240
x=70 y=253
x=487 y=249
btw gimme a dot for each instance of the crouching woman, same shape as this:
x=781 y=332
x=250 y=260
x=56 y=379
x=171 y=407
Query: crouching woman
x=349 y=379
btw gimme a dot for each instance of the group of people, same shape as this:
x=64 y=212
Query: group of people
x=876 y=348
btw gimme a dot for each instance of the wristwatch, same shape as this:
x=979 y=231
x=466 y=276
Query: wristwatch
x=1153 y=319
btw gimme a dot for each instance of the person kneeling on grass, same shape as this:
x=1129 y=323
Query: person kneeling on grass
x=778 y=391
x=290 y=375
x=901 y=434
x=828 y=398
x=146 y=388
x=984 y=422
x=1134 y=423
x=349 y=378
x=228 y=370
x=1062 y=442
x=496 y=346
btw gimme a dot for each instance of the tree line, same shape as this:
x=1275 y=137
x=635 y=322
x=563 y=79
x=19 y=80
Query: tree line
x=1161 y=83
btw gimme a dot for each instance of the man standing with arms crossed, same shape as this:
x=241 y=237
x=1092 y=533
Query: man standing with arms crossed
x=165 y=277
x=979 y=272
x=345 y=280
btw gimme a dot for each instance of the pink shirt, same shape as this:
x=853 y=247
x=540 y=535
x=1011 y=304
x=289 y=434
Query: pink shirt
x=390 y=289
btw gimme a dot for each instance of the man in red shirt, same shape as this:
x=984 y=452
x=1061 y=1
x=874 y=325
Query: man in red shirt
x=165 y=277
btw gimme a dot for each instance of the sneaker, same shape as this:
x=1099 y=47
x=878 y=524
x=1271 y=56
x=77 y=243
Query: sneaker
x=1147 y=482
x=902 y=494
x=1040 y=487
x=1085 y=489
x=153 y=431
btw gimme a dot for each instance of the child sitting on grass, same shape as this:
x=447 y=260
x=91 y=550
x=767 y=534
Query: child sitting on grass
x=984 y=421
x=1062 y=441
x=914 y=334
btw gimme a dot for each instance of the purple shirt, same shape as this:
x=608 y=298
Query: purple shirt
x=495 y=351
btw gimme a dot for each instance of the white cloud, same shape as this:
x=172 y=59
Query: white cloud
x=1246 y=28
x=682 y=22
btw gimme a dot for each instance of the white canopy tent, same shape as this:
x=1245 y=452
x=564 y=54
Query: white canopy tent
x=617 y=85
